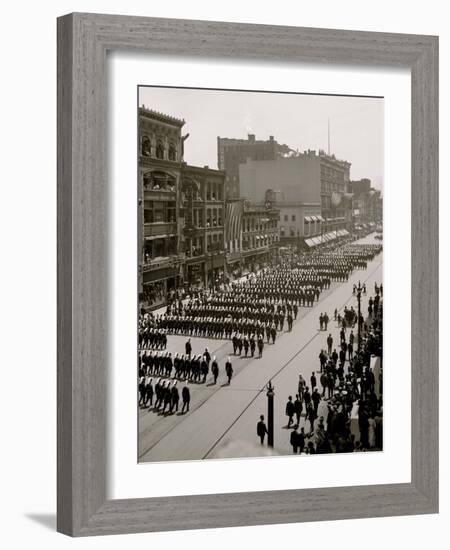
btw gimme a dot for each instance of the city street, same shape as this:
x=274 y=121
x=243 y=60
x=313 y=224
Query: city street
x=223 y=416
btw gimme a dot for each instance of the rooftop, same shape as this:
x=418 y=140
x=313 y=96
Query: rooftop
x=156 y=115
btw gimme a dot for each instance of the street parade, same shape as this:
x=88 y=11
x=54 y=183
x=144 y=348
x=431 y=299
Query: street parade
x=337 y=409
x=259 y=322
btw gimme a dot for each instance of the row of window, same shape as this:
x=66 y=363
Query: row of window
x=255 y=224
x=158 y=149
x=196 y=246
x=330 y=187
x=258 y=241
x=159 y=181
x=213 y=217
x=160 y=248
x=159 y=211
x=214 y=191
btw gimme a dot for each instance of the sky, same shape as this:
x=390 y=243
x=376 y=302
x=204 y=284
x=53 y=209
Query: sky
x=298 y=120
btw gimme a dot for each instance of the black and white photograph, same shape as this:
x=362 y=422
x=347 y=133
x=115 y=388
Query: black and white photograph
x=260 y=327
x=231 y=234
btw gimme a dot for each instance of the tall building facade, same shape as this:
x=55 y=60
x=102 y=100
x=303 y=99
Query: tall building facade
x=367 y=202
x=203 y=215
x=334 y=191
x=181 y=211
x=310 y=190
x=159 y=194
x=231 y=152
x=292 y=186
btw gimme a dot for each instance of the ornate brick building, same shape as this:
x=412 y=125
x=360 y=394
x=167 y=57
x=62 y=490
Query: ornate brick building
x=180 y=213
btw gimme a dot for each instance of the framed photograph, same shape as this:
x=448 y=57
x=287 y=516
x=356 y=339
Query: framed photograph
x=247 y=274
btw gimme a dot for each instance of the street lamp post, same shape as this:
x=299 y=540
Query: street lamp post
x=358 y=296
x=270 y=394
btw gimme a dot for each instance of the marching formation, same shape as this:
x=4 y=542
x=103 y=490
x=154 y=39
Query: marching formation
x=251 y=313
x=259 y=306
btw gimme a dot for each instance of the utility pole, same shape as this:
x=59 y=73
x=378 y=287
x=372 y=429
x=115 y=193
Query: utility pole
x=270 y=394
x=358 y=296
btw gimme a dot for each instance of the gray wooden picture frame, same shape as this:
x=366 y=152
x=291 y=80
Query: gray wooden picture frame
x=83 y=42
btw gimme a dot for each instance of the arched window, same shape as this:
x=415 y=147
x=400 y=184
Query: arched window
x=172 y=151
x=145 y=146
x=159 y=150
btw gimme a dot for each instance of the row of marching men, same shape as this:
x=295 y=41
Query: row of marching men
x=163 y=395
x=187 y=366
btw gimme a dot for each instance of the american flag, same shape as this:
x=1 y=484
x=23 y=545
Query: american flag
x=233 y=224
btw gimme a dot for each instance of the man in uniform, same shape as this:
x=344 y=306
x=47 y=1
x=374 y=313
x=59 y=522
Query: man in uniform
x=229 y=370
x=186 y=396
x=290 y=321
x=175 y=397
x=260 y=345
x=188 y=348
x=252 y=345
x=149 y=392
x=273 y=333
x=204 y=369
x=215 y=369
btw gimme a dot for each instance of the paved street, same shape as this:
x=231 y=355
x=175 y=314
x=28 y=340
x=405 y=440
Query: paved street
x=223 y=415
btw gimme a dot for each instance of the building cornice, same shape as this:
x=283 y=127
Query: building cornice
x=161 y=117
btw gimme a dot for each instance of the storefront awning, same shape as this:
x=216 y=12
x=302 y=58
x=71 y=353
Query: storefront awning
x=308 y=219
x=153 y=237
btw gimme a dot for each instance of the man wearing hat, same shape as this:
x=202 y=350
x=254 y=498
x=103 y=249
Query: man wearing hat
x=175 y=397
x=215 y=369
x=188 y=348
x=261 y=429
x=290 y=411
x=229 y=370
x=315 y=398
x=295 y=440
